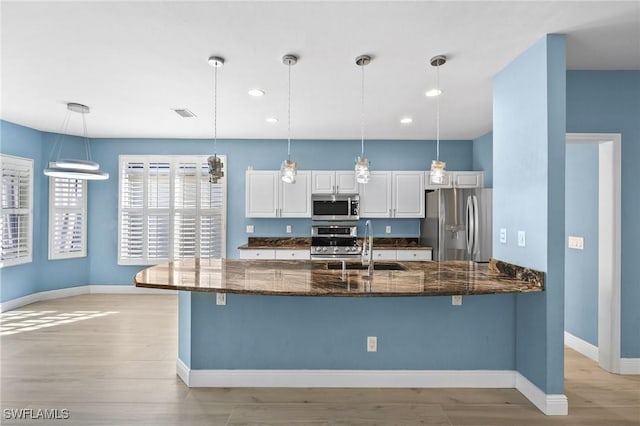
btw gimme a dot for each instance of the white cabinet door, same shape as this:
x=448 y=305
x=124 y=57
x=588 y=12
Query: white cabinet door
x=384 y=254
x=257 y=254
x=375 y=196
x=446 y=183
x=408 y=194
x=261 y=193
x=413 y=255
x=346 y=182
x=285 y=254
x=295 y=198
x=468 y=179
x=323 y=182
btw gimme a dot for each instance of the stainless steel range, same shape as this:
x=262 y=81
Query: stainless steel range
x=335 y=240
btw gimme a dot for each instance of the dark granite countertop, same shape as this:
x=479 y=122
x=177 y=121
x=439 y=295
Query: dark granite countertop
x=303 y=243
x=315 y=278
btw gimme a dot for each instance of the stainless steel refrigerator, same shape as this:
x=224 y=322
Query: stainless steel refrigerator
x=458 y=225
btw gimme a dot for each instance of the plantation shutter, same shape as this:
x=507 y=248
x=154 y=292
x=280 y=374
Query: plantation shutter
x=67 y=218
x=16 y=218
x=169 y=210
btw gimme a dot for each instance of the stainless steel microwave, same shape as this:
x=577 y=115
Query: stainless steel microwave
x=335 y=207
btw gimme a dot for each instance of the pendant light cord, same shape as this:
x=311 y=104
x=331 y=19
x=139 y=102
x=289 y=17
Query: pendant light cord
x=289 y=116
x=362 y=115
x=87 y=147
x=57 y=146
x=438 y=113
x=215 y=111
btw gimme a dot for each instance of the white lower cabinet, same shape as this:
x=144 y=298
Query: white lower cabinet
x=413 y=255
x=282 y=254
x=257 y=254
x=384 y=254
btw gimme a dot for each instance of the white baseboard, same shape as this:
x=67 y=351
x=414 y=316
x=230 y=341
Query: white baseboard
x=183 y=372
x=75 y=291
x=581 y=346
x=549 y=404
x=349 y=378
x=629 y=365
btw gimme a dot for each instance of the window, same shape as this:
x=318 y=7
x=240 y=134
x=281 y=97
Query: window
x=169 y=210
x=16 y=219
x=67 y=218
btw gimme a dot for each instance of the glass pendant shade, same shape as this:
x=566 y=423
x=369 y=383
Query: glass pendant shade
x=215 y=169
x=437 y=171
x=288 y=171
x=362 y=170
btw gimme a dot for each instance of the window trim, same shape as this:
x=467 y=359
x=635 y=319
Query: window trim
x=27 y=163
x=52 y=254
x=173 y=160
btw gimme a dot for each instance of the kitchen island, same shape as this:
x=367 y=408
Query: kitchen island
x=335 y=278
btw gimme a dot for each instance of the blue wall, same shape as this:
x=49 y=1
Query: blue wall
x=483 y=157
x=262 y=155
x=609 y=102
x=41 y=274
x=279 y=332
x=528 y=181
x=581 y=220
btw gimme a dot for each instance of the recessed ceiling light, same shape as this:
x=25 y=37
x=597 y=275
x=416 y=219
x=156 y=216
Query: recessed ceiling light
x=271 y=120
x=256 y=92
x=433 y=93
x=406 y=120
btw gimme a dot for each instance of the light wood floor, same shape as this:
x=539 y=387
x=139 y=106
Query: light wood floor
x=110 y=360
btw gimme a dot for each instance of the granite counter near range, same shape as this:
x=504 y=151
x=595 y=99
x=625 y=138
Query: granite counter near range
x=303 y=243
x=317 y=278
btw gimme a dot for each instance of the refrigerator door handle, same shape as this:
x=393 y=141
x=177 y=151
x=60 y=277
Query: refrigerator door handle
x=476 y=226
x=469 y=225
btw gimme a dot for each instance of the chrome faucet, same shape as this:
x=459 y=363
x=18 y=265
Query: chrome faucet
x=367 y=247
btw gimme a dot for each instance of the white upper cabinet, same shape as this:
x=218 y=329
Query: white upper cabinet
x=457 y=180
x=333 y=182
x=267 y=196
x=408 y=194
x=295 y=198
x=346 y=182
x=468 y=179
x=261 y=195
x=375 y=196
x=393 y=194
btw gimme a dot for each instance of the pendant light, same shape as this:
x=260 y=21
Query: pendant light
x=437 y=166
x=74 y=168
x=215 y=163
x=362 y=164
x=288 y=170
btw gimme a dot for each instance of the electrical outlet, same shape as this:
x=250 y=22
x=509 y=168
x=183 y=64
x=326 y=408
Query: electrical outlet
x=576 y=243
x=372 y=344
x=456 y=300
x=522 y=242
x=503 y=235
x=221 y=298
x=250 y=229
x=388 y=229
x=288 y=229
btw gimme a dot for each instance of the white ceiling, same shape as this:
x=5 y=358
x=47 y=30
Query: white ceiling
x=132 y=62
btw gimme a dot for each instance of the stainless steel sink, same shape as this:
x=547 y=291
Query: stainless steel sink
x=378 y=266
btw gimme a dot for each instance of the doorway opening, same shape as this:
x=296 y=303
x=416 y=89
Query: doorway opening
x=607 y=350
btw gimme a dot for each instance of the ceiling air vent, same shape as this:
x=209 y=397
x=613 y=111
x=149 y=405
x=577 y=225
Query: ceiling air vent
x=184 y=113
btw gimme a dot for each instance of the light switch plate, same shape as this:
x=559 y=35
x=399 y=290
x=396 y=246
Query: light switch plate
x=250 y=229
x=522 y=242
x=576 y=243
x=503 y=235
x=288 y=229
x=456 y=300
x=372 y=344
x=388 y=229
x=221 y=298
